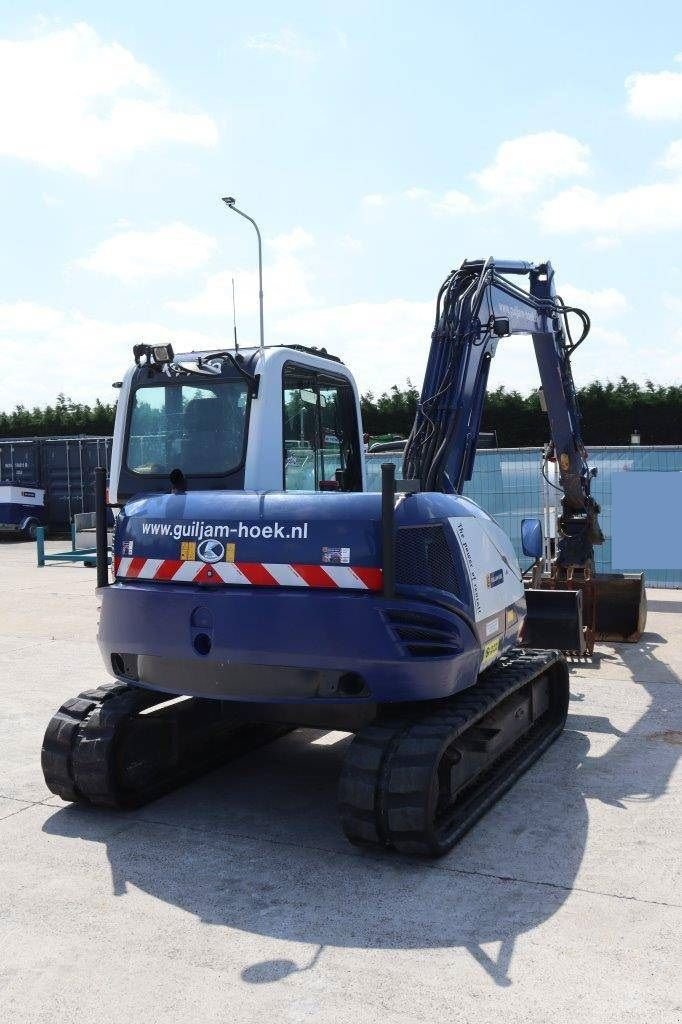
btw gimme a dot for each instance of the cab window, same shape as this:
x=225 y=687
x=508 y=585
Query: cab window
x=198 y=428
x=321 y=443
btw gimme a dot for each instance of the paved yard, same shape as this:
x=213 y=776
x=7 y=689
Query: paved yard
x=238 y=899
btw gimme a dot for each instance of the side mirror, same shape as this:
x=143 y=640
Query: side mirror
x=531 y=538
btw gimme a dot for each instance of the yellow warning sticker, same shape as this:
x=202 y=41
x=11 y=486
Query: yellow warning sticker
x=229 y=552
x=490 y=650
x=511 y=617
x=188 y=551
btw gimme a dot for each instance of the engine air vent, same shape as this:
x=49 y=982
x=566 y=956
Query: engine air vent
x=424 y=636
x=423 y=559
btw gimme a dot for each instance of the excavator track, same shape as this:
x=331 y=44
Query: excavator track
x=121 y=746
x=419 y=778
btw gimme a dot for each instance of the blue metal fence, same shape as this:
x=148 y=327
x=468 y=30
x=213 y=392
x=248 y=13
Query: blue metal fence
x=507 y=484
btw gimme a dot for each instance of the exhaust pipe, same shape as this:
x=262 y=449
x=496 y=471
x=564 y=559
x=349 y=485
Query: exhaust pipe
x=101 y=527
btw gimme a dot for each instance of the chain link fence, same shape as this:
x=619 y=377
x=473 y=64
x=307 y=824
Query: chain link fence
x=508 y=484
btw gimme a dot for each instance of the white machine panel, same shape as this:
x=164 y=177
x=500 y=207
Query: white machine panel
x=495 y=577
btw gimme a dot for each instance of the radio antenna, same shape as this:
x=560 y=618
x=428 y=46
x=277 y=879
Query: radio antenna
x=234 y=319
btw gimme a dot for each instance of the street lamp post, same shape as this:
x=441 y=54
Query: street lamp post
x=230 y=202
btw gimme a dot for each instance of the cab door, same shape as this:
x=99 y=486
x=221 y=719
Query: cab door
x=321 y=450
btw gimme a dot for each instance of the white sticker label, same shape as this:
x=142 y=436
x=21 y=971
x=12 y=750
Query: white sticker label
x=336 y=556
x=492 y=627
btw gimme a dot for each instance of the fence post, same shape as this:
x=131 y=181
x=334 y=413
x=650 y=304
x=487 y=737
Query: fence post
x=40 y=546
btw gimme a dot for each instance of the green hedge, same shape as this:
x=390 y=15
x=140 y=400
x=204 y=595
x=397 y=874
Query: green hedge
x=611 y=412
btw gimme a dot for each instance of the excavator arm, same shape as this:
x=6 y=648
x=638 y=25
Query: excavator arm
x=477 y=305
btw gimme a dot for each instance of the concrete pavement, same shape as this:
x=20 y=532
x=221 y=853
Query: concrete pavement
x=238 y=899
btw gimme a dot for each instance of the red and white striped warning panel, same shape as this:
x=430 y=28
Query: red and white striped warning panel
x=254 y=574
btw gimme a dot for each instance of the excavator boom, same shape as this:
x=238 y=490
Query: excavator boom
x=479 y=304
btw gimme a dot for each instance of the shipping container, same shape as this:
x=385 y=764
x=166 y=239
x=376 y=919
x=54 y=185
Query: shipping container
x=45 y=481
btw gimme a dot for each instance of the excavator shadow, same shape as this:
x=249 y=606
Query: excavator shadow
x=256 y=846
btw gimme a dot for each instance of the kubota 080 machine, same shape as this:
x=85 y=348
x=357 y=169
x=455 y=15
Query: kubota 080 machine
x=257 y=586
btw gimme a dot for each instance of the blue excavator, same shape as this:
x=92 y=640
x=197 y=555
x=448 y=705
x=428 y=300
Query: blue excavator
x=258 y=586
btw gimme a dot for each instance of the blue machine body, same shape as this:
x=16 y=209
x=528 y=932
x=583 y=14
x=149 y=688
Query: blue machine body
x=273 y=643
x=212 y=592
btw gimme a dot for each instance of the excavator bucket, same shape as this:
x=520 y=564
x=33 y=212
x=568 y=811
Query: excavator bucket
x=613 y=605
x=554 y=620
x=620 y=607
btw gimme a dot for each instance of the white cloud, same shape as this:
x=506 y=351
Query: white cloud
x=295 y=240
x=375 y=199
x=655 y=97
x=645 y=208
x=350 y=244
x=524 y=165
x=74 y=102
x=286 y=282
x=454 y=203
x=603 y=301
x=285 y=43
x=137 y=255
x=520 y=168
x=607 y=338
x=26 y=317
x=417 y=193
x=602 y=243
x=672 y=158
x=383 y=343
x=43 y=352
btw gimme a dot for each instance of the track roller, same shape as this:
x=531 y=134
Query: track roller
x=122 y=746
x=417 y=780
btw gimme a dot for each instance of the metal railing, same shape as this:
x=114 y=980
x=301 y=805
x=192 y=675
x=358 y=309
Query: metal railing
x=508 y=484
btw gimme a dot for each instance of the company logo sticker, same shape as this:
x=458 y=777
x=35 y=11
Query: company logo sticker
x=210 y=551
x=28 y=494
x=127 y=548
x=493 y=579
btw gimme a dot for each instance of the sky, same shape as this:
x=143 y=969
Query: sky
x=376 y=144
